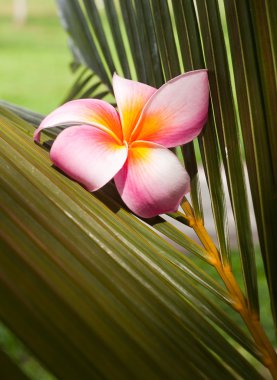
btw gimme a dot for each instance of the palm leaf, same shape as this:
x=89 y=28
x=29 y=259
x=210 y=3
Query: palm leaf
x=32 y=117
x=225 y=123
x=87 y=85
x=190 y=45
x=109 y=294
x=9 y=370
x=257 y=118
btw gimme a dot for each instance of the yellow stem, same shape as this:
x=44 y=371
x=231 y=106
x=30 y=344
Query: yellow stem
x=251 y=320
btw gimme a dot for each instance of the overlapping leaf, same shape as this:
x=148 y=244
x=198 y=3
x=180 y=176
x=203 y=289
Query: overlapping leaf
x=103 y=286
x=256 y=116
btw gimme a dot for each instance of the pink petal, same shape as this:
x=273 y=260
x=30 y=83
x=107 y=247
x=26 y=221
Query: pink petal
x=84 y=111
x=88 y=155
x=131 y=97
x=152 y=181
x=177 y=112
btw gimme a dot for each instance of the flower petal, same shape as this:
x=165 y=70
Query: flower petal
x=152 y=181
x=177 y=112
x=84 y=111
x=130 y=97
x=88 y=155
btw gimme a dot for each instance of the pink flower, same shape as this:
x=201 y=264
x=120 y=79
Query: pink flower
x=131 y=146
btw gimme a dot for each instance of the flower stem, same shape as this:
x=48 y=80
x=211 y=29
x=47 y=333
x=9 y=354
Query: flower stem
x=239 y=303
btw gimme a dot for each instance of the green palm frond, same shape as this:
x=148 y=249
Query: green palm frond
x=87 y=85
x=102 y=294
x=251 y=32
x=124 y=291
x=181 y=35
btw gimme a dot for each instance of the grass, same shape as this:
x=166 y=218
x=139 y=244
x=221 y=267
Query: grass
x=34 y=65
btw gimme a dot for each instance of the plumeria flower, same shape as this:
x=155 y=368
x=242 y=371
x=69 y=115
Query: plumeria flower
x=131 y=145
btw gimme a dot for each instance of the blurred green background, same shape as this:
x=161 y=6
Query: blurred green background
x=34 y=57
